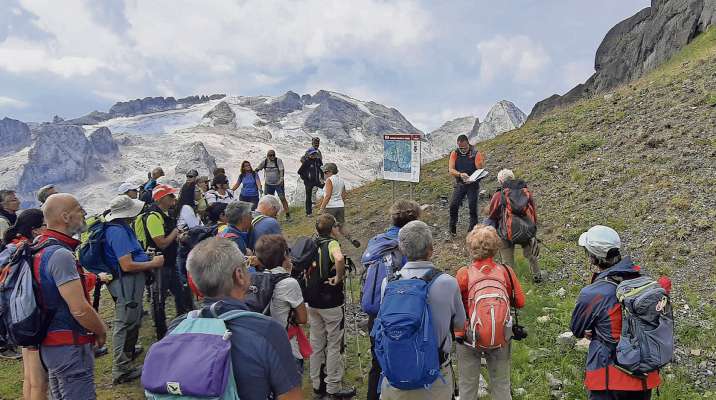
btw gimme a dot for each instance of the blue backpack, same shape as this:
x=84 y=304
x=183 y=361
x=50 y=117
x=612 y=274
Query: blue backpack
x=91 y=253
x=405 y=343
x=381 y=259
x=194 y=360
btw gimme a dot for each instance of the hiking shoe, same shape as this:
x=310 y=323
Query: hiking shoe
x=343 y=393
x=355 y=243
x=318 y=393
x=100 y=351
x=128 y=377
x=10 y=353
x=138 y=349
x=538 y=278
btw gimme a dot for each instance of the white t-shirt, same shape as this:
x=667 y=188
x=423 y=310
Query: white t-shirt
x=212 y=196
x=188 y=218
x=336 y=200
x=286 y=295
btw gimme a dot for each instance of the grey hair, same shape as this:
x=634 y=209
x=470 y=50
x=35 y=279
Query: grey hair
x=271 y=201
x=505 y=175
x=236 y=211
x=415 y=240
x=212 y=263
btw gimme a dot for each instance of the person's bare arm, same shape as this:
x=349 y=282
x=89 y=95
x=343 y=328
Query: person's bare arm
x=165 y=241
x=340 y=263
x=293 y=394
x=451 y=166
x=258 y=184
x=236 y=186
x=327 y=193
x=74 y=295
x=129 y=265
x=301 y=314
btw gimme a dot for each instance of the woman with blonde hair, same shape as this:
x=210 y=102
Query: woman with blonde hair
x=498 y=284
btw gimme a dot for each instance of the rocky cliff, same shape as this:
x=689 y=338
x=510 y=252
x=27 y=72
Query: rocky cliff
x=638 y=45
x=221 y=115
x=195 y=156
x=444 y=138
x=103 y=145
x=502 y=117
x=14 y=134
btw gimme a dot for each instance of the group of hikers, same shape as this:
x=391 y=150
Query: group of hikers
x=243 y=295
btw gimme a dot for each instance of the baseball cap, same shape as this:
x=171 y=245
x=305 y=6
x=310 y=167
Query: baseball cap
x=124 y=207
x=599 y=239
x=162 y=190
x=192 y=173
x=126 y=187
x=330 y=167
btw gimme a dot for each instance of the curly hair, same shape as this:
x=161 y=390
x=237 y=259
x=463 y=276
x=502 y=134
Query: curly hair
x=483 y=242
x=404 y=211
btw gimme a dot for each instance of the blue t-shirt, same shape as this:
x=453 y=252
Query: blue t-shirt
x=150 y=185
x=249 y=188
x=235 y=235
x=121 y=240
x=266 y=226
x=260 y=353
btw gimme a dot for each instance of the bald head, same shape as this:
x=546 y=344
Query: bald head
x=63 y=213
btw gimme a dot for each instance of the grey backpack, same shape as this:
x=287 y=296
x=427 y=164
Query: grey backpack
x=647 y=337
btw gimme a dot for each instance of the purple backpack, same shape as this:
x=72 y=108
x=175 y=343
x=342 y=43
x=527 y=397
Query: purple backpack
x=194 y=360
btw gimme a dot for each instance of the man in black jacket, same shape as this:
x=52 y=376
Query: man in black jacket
x=312 y=176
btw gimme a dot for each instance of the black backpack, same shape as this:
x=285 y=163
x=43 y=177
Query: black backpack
x=258 y=297
x=318 y=292
x=517 y=222
x=190 y=238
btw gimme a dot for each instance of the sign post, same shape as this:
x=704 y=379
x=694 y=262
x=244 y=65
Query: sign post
x=401 y=159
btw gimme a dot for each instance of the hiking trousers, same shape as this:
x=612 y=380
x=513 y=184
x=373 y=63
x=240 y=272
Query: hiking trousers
x=326 y=335
x=375 y=370
x=441 y=389
x=498 y=367
x=460 y=191
x=70 y=371
x=507 y=253
x=128 y=291
x=311 y=190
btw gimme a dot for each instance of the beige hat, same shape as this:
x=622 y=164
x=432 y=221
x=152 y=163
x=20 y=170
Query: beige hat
x=124 y=207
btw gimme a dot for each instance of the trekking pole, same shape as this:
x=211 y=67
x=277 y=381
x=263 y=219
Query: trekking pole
x=353 y=313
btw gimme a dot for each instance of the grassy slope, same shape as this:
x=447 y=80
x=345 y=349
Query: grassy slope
x=641 y=159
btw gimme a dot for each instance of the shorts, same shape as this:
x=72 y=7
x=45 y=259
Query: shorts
x=339 y=213
x=277 y=189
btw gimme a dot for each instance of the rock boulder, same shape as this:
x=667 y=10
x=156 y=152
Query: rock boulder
x=102 y=143
x=221 y=114
x=14 y=134
x=195 y=156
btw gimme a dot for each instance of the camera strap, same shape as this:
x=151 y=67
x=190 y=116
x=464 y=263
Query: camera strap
x=512 y=293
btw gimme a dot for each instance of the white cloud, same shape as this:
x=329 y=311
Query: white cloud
x=19 y=56
x=517 y=57
x=9 y=102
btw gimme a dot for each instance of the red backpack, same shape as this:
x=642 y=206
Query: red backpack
x=489 y=323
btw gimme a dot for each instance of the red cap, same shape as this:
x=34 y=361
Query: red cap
x=160 y=191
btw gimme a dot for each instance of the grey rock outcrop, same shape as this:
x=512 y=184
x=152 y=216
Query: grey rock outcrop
x=93 y=118
x=61 y=154
x=638 y=45
x=156 y=104
x=445 y=137
x=221 y=114
x=14 y=134
x=280 y=107
x=502 y=117
x=57 y=119
x=195 y=156
x=103 y=143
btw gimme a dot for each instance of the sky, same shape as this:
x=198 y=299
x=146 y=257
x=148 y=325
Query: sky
x=432 y=60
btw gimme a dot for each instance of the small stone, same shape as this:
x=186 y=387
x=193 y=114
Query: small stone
x=686 y=307
x=543 y=319
x=608 y=96
x=557 y=394
x=583 y=344
x=561 y=292
x=520 y=392
x=554 y=383
x=566 y=339
x=696 y=352
x=703 y=364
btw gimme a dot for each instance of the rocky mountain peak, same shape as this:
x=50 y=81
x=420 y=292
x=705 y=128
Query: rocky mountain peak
x=102 y=143
x=195 y=156
x=502 y=117
x=14 y=134
x=221 y=114
x=444 y=138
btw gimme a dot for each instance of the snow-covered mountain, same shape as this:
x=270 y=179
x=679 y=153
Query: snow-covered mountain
x=80 y=155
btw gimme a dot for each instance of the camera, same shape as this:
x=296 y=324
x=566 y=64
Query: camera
x=519 y=332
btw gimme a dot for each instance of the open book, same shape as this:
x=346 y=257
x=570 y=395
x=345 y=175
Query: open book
x=477 y=175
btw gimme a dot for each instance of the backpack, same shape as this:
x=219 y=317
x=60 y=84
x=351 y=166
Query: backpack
x=517 y=223
x=318 y=293
x=91 y=253
x=405 y=343
x=193 y=236
x=194 y=360
x=381 y=259
x=647 y=337
x=303 y=254
x=23 y=319
x=488 y=307
x=258 y=297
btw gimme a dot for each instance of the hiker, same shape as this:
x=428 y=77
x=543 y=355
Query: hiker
x=238 y=222
x=124 y=254
x=66 y=351
x=250 y=185
x=312 y=176
x=191 y=176
x=380 y=246
x=315 y=144
x=129 y=190
x=146 y=194
x=202 y=182
x=215 y=215
x=447 y=311
x=45 y=192
x=264 y=220
x=598 y=316
x=186 y=209
x=156 y=230
x=274 y=178
x=260 y=350
x=30 y=224
x=9 y=205
x=484 y=277
x=332 y=202
x=463 y=162
x=325 y=298
x=220 y=192
x=287 y=306
x=508 y=221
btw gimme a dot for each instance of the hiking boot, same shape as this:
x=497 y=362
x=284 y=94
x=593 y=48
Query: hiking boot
x=355 y=243
x=343 y=393
x=10 y=353
x=136 y=373
x=138 y=349
x=100 y=351
x=318 y=394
